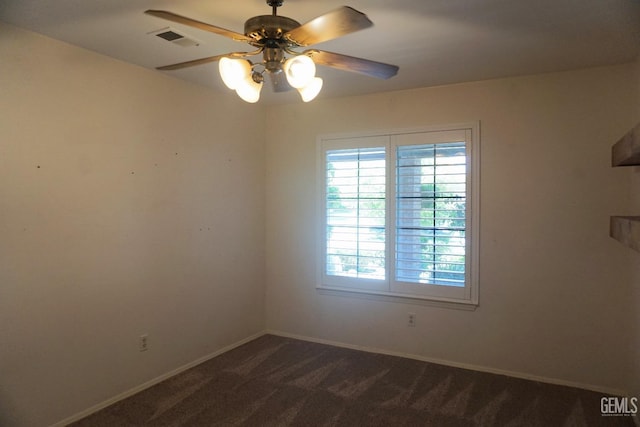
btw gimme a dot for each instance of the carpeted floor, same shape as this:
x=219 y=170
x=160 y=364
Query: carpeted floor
x=276 y=381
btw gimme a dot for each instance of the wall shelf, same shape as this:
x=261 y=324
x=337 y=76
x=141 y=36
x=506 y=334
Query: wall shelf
x=626 y=152
x=626 y=230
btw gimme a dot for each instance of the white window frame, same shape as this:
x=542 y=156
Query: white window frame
x=464 y=297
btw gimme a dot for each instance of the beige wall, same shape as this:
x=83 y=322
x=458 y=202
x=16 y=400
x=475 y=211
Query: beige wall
x=130 y=203
x=555 y=295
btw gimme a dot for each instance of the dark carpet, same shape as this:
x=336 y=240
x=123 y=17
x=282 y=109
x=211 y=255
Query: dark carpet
x=276 y=381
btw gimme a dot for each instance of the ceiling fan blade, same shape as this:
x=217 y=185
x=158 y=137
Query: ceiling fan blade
x=190 y=63
x=169 y=16
x=351 y=63
x=205 y=60
x=279 y=82
x=334 y=24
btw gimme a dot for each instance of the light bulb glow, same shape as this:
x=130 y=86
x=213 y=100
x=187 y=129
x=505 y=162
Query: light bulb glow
x=249 y=90
x=300 y=71
x=310 y=91
x=234 y=71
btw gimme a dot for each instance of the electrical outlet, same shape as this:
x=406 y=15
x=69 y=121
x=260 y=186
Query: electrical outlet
x=143 y=344
x=411 y=319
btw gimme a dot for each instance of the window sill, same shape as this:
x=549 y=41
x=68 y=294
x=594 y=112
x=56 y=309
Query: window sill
x=397 y=297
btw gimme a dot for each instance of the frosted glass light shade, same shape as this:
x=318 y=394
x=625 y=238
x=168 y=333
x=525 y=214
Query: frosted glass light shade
x=249 y=90
x=310 y=91
x=234 y=71
x=300 y=70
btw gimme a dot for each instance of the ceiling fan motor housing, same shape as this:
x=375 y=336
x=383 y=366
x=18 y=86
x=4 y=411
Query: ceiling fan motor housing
x=273 y=57
x=269 y=27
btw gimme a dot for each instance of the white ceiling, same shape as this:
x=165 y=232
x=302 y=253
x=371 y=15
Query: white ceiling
x=434 y=42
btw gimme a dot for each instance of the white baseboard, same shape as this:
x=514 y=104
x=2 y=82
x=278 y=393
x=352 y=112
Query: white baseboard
x=153 y=382
x=603 y=390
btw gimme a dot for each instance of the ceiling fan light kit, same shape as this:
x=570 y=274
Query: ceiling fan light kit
x=234 y=71
x=311 y=90
x=249 y=88
x=300 y=70
x=274 y=36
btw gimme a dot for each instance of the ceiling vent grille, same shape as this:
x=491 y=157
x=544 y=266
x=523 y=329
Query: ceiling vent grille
x=175 y=37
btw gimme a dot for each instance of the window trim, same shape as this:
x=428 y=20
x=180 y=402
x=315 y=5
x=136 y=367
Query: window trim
x=389 y=289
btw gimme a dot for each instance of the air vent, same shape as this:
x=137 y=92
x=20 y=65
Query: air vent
x=169 y=36
x=173 y=36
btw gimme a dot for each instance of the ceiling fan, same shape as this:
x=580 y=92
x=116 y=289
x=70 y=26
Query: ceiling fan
x=275 y=36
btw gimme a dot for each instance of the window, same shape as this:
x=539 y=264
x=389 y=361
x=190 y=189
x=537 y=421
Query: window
x=399 y=213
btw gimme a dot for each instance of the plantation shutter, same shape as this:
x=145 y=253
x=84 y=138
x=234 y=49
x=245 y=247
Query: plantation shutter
x=355 y=212
x=399 y=213
x=430 y=230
